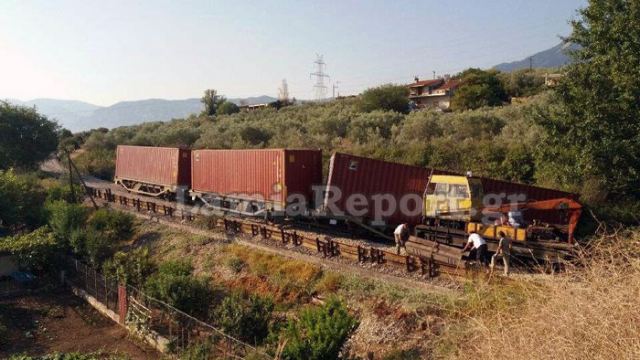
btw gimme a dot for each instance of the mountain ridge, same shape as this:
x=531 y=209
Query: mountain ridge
x=553 y=57
x=77 y=115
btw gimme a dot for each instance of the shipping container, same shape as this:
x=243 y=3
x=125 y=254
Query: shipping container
x=252 y=182
x=154 y=171
x=375 y=191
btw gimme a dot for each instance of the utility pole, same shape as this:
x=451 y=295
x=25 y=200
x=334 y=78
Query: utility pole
x=434 y=74
x=335 y=87
x=530 y=62
x=320 y=88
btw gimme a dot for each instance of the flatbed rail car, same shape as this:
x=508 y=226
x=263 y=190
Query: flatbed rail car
x=256 y=182
x=153 y=171
x=523 y=212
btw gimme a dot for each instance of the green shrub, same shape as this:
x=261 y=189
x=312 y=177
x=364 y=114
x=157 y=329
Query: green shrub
x=98 y=246
x=319 y=333
x=235 y=264
x=65 y=218
x=176 y=286
x=227 y=108
x=386 y=97
x=21 y=199
x=63 y=192
x=402 y=354
x=115 y=225
x=132 y=267
x=247 y=319
x=35 y=251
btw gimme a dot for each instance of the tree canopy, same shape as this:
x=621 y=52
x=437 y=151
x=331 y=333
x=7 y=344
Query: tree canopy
x=386 y=97
x=26 y=137
x=594 y=139
x=211 y=101
x=227 y=108
x=478 y=88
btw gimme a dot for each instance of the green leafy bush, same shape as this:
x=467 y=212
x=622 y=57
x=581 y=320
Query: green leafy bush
x=235 y=264
x=36 y=251
x=132 y=267
x=245 y=318
x=66 y=218
x=386 y=97
x=174 y=284
x=319 y=333
x=227 y=108
x=63 y=192
x=98 y=246
x=114 y=225
x=21 y=199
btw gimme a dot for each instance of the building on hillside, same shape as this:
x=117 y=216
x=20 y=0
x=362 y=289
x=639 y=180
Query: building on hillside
x=435 y=93
x=253 y=107
x=551 y=80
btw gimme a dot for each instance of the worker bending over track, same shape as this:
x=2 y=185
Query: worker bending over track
x=401 y=235
x=479 y=245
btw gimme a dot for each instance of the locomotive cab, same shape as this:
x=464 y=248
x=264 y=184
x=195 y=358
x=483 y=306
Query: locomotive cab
x=453 y=198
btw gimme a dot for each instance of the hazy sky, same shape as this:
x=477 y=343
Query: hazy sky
x=108 y=51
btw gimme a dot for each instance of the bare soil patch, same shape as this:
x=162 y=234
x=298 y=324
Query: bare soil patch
x=58 y=321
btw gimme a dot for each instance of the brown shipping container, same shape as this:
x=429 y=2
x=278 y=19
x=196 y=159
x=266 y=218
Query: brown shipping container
x=369 y=177
x=167 y=167
x=270 y=174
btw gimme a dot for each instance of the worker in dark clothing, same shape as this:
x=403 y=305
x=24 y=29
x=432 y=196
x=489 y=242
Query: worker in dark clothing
x=504 y=252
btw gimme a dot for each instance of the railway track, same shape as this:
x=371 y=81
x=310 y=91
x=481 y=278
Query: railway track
x=423 y=267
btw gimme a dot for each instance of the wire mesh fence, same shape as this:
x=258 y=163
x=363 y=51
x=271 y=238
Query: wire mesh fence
x=149 y=316
x=102 y=288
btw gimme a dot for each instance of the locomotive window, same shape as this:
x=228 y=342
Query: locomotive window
x=441 y=189
x=458 y=191
x=431 y=187
x=353 y=165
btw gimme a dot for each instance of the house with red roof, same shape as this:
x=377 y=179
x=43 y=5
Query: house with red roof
x=434 y=93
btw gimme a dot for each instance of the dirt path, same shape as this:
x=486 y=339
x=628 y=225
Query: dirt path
x=60 y=322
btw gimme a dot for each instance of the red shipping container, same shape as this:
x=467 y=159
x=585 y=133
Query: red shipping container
x=266 y=176
x=148 y=169
x=367 y=178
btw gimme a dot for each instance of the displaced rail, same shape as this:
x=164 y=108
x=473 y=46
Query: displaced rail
x=428 y=263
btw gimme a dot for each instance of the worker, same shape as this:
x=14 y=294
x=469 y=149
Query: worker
x=504 y=252
x=479 y=245
x=401 y=235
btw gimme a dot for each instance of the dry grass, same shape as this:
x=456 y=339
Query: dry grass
x=590 y=312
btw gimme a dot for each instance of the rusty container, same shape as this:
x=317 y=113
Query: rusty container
x=356 y=176
x=262 y=175
x=161 y=166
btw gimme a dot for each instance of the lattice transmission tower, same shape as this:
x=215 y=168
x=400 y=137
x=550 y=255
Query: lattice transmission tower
x=319 y=88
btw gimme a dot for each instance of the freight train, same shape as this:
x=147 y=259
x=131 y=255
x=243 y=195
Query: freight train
x=440 y=205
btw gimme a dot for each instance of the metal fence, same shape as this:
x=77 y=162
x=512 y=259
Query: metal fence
x=149 y=315
x=87 y=278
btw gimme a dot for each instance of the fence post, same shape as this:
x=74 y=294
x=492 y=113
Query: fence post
x=122 y=303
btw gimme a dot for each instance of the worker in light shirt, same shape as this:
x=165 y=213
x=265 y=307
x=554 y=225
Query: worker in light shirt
x=401 y=235
x=479 y=245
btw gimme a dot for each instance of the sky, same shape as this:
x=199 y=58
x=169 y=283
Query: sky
x=104 y=52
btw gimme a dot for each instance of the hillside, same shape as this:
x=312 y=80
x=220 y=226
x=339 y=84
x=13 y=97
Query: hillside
x=78 y=115
x=550 y=58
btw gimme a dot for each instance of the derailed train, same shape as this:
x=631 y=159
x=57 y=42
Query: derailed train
x=373 y=193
